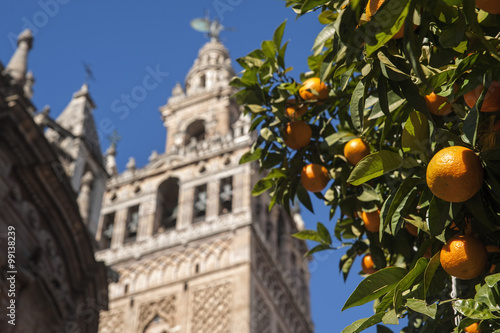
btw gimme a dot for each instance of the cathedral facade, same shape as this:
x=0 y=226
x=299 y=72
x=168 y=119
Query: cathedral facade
x=194 y=251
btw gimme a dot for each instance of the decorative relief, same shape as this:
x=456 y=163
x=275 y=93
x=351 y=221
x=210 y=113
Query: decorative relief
x=285 y=304
x=51 y=267
x=162 y=310
x=212 y=309
x=165 y=269
x=261 y=315
x=111 y=321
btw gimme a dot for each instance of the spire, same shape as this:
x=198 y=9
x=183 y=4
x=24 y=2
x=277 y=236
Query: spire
x=78 y=119
x=18 y=64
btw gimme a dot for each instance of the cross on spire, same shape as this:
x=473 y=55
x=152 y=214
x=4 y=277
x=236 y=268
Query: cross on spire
x=88 y=72
x=114 y=138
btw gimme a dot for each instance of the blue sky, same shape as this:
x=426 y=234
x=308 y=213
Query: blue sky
x=123 y=41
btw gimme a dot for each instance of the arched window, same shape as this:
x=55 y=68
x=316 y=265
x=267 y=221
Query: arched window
x=167 y=204
x=195 y=131
x=226 y=195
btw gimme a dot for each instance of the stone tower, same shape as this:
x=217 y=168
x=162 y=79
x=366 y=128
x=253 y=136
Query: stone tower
x=194 y=251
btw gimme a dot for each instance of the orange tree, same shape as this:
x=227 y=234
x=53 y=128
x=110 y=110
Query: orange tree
x=410 y=79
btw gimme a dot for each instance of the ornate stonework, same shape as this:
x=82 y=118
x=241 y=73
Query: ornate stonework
x=261 y=315
x=212 y=309
x=185 y=227
x=161 y=311
x=111 y=321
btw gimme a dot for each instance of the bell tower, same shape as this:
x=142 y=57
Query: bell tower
x=194 y=251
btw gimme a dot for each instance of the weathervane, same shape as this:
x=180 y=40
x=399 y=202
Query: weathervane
x=211 y=28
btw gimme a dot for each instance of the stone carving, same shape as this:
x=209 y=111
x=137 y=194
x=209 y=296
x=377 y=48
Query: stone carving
x=162 y=310
x=111 y=321
x=166 y=269
x=279 y=292
x=212 y=309
x=261 y=315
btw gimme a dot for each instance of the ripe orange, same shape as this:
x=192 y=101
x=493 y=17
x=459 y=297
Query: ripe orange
x=313 y=89
x=412 y=230
x=490 y=6
x=473 y=328
x=367 y=264
x=373 y=6
x=355 y=150
x=434 y=103
x=464 y=257
x=314 y=177
x=371 y=220
x=455 y=174
x=298 y=134
x=295 y=111
x=491 y=102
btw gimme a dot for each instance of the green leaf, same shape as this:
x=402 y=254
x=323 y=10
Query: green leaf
x=262 y=186
x=278 y=35
x=324 y=35
x=390 y=318
x=420 y=306
x=362 y=324
x=304 y=198
x=382 y=96
x=476 y=205
x=324 y=234
x=251 y=156
x=327 y=17
x=269 y=49
x=383 y=329
x=432 y=266
x=441 y=213
x=312 y=235
x=398 y=201
x=471 y=122
x=342 y=136
x=472 y=309
x=489 y=296
x=453 y=34
x=267 y=134
x=415 y=137
x=408 y=281
x=317 y=248
x=386 y=22
x=311 y=4
x=255 y=108
x=358 y=105
x=375 y=165
x=491 y=280
x=374 y=286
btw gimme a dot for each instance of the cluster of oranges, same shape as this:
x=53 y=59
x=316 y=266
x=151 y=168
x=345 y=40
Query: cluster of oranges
x=298 y=133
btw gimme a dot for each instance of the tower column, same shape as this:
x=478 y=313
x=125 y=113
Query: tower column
x=213 y=199
x=186 y=197
x=120 y=228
